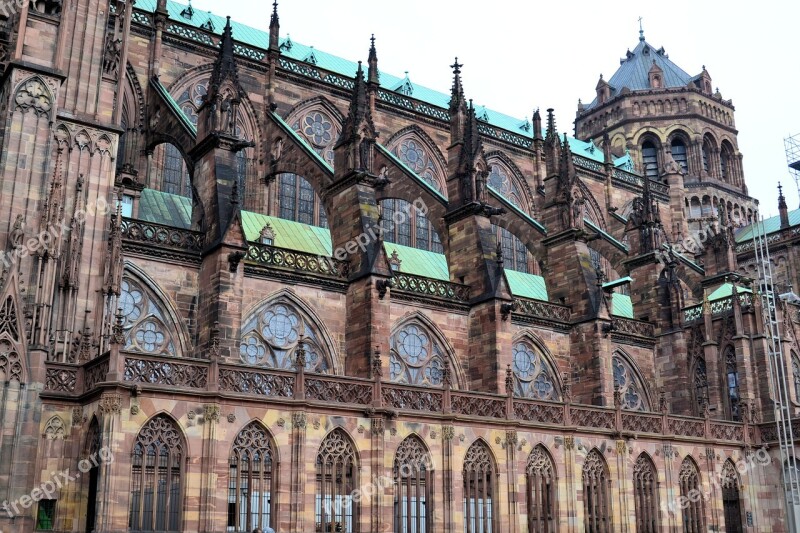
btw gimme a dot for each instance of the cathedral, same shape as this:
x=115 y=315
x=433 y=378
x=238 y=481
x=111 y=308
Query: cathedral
x=245 y=283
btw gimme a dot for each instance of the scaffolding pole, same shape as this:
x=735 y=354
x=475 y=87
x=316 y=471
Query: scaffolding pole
x=792 y=146
x=782 y=406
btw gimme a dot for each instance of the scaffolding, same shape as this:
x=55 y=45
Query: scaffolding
x=792 y=145
x=779 y=376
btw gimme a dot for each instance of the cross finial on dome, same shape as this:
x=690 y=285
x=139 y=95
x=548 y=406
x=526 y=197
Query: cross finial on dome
x=641 y=30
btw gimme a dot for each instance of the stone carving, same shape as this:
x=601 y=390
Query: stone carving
x=33 y=94
x=299 y=420
x=231 y=418
x=110 y=403
x=55 y=428
x=211 y=413
x=111 y=56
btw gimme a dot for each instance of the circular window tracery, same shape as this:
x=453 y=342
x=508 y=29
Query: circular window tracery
x=416 y=358
x=533 y=378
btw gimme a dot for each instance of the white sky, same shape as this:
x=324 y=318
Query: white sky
x=519 y=55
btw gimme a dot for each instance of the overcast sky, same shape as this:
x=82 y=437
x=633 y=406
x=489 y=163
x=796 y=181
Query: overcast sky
x=521 y=55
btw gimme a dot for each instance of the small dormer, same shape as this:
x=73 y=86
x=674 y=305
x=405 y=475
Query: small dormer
x=703 y=81
x=655 y=76
x=603 y=91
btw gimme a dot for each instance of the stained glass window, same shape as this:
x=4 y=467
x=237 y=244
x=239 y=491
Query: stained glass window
x=321 y=132
x=191 y=99
x=403 y=224
x=299 y=202
x=336 y=469
x=533 y=376
x=500 y=180
x=144 y=321
x=479 y=484
x=650 y=160
x=413 y=483
x=542 y=496
x=629 y=385
x=596 y=494
x=414 y=154
x=250 y=480
x=645 y=494
x=416 y=357
x=694 y=512
x=270 y=338
x=732 y=381
x=515 y=254
x=171 y=172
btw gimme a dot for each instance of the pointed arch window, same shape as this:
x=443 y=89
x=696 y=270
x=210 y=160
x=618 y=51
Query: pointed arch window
x=413 y=487
x=694 y=511
x=336 y=468
x=191 y=99
x=144 y=321
x=299 y=201
x=417 y=357
x=157 y=477
x=596 y=495
x=479 y=500
x=418 y=158
x=645 y=491
x=515 y=254
x=731 y=500
x=171 y=175
x=700 y=385
x=94 y=441
x=630 y=386
x=500 y=181
x=271 y=335
x=542 y=497
x=732 y=383
x=650 y=160
x=251 y=480
x=680 y=154
x=404 y=224
x=533 y=377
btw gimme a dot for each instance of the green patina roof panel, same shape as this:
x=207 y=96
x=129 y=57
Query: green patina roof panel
x=289 y=234
x=724 y=291
x=164 y=208
x=623 y=307
x=770 y=225
x=526 y=285
x=419 y=262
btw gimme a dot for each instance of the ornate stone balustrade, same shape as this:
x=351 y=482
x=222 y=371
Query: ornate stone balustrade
x=95 y=372
x=281 y=258
x=540 y=309
x=413 y=398
x=430 y=287
x=627 y=326
x=338 y=390
x=61 y=377
x=251 y=381
x=718 y=307
x=173 y=372
x=150 y=233
x=479 y=405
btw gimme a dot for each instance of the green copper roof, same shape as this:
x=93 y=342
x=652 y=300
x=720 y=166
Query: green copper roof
x=292 y=49
x=526 y=285
x=191 y=128
x=770 y=225
x=289 y=234
x=724 y=291
x=164 y=208
x=623 y=307
x=419 y=262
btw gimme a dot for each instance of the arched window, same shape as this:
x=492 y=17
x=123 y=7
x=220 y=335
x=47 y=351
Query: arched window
x=542 y=493
x=533 y=376
x=679 y=153
x=645 y=493
x=709 y=146
x=157 y=477
x=500 y=181
x=695 y=211
x=413 y=487
x=417 y=358
x=336 y=466
x=650 y=160
x=170 y=173
x=796 y=376
x=726 y=162
x=694 y=511
x=630 y=386
x=250 y=480
x=320 y=130
x=515 y=254
x=94 y=441
x=732 y=383
x=419 y=159
x=731 y=505
x=191 y=99
x=403 y=224
x=299 y=202
x=596 y=495
x=478 y=475
x=700 y=385
x=144 y=321
x=270 y=338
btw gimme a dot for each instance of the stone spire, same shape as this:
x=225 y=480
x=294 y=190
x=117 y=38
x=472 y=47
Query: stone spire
x=358 y=131
x=373 y=76
x=225 y=65
x=783 y=208
x=274 y=28
x=458 y=106
x=537 y=125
